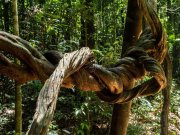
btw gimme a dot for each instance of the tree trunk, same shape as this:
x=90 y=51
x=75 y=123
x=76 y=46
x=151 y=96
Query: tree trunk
x=68 y=21
x=176 y=62
x=6 y=5
x=169 y=15
x=87 y=35
x=22 y=17
x=87 y=25
x=120 y=119
x=168 y=71
x=18 y=93
x=1 y=15
x=18 y=109
x=166 y=95
x=132 y=30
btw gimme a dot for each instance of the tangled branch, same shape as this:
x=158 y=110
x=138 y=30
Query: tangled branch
x=79 y=69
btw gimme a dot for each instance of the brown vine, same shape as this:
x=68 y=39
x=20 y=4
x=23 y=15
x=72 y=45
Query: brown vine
x=79 y=69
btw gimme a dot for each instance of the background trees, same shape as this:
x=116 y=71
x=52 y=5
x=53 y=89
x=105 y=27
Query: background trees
x=59 y=24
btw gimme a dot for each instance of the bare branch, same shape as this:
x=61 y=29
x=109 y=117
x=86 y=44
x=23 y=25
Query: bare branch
x=22 y=43
x=20 y=74
x=39 y=65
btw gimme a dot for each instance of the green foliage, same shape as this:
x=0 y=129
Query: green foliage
x=136 y=129
x=171 y=40
x=83 y=129
x=175 y=98
x=76 y=110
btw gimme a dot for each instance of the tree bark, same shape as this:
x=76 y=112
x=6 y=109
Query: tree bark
x=120 y=119
x=166 y=95
x=68 y=21
x=18 y=93
x=87 y=25
x=176 y=56
x=133 y=25
x=168 y=72
x=1 y=15
x=18 y=109
x=47 y=98
x=132 y=31
x=6 y=5
x=22 y=16
x=170 y=18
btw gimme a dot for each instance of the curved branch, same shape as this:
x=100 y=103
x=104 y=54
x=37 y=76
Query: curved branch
x=23 y=43
x=114 y=80
x=22 y=75
x=156 y=29
x=8 y=68
x=126 y=72
x=39 y=65
x=47 y=99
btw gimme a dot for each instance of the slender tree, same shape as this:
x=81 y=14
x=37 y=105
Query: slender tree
x=6 y=6
x=22 y=15
x=1 y=16
x=166 y=95
x=87 y=24
x=87 y=32
x=168 y=72
x=18 y=94
x=68 y=21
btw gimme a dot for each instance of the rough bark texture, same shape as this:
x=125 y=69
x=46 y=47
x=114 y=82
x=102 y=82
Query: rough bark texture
x=111 y=84
x=47 y=99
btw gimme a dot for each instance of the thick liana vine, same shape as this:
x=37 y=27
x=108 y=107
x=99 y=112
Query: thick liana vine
x=80 y=69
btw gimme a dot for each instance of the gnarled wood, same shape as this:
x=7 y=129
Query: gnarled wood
x=47 y=99
x=111 y=84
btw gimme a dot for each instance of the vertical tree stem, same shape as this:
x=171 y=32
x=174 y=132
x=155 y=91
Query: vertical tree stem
x=132 y=30
x=120 y=119
x=15 y=17
x=166 y=95
x=18 y=109
x=18 y=93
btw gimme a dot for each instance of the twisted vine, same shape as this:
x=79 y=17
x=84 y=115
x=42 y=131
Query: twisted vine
x=79 y=69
